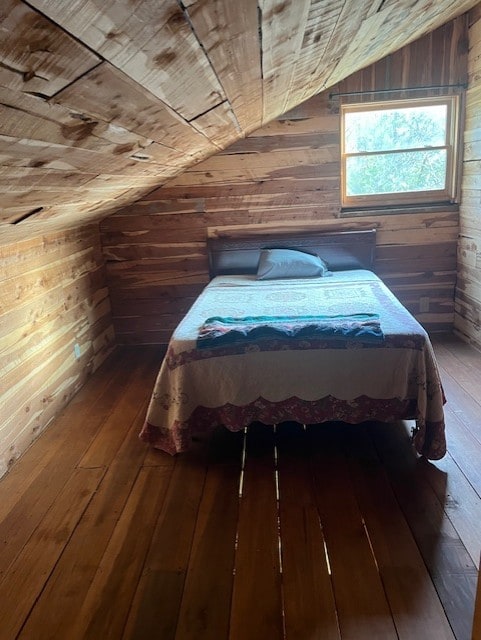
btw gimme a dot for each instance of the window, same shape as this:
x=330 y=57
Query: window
x=399 y=152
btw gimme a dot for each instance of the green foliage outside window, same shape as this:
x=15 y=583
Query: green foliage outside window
x=397 y=150
x=396 y=173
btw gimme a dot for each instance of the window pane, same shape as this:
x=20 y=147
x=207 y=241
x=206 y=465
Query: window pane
x=396 y=172
x=391 y=129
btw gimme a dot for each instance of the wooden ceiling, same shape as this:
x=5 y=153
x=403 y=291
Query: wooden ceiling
x=101 y=101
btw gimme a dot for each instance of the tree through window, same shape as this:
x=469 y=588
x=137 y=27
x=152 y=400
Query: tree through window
x=399 y=152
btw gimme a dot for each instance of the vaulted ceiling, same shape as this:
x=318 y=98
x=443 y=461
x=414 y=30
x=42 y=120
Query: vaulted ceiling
x=101 y=101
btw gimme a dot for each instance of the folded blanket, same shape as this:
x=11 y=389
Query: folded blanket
x=218 y=330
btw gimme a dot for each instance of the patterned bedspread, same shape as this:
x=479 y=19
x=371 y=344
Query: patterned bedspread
x=313 y=378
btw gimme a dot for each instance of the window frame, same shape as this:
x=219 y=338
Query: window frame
x=448 y=195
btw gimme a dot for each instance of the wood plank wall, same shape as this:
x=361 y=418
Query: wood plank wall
x=54 y=296
x=285 y=175
x=468 y=290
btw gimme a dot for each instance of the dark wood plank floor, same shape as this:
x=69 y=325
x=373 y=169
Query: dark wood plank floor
x=325 y=532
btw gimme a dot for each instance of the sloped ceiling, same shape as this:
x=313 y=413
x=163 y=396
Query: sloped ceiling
x=101 y=101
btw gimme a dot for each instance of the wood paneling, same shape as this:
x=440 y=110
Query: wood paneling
x=468 y=289
x=285 y=175
x=54 y=296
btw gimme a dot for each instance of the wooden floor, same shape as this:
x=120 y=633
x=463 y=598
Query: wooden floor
x=328 y=532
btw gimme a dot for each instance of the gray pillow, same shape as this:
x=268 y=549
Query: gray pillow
x=289 y=263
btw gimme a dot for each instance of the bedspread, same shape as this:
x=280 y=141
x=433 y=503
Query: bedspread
x=310 y=379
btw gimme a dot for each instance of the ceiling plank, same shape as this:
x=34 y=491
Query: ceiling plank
x=27 y=116
x=339 y=30
x=283 y=28
x=322 y=20
x=36 y=56
x=19 y=178
x=15 y=152
x=22 y=152
x=229 y=32
x=219 y=125
x=109 y=94
x=35 y=119
x=152 y=42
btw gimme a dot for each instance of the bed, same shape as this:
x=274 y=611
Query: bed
x=333 y=346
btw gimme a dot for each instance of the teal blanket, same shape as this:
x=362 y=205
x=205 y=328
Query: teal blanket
x=218 y=330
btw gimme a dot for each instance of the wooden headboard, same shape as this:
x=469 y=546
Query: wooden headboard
x=341 y=250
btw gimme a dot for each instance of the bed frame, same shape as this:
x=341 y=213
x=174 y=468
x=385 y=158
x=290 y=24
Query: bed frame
x=340 y=379
x=341 y=250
